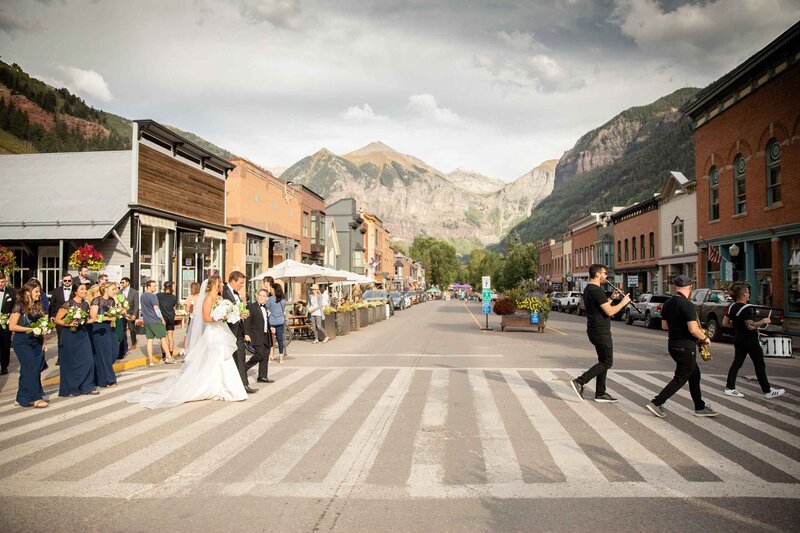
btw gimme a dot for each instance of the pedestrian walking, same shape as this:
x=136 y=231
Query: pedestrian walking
x=276 y=305
x=598 y=328
x=29 y=348
x=154 y=324
x=679 y=318
x=61 y=295
x=741 y=316
x=257 y=333
x=132 y=296
x=105 y=346
x=167 y=303
x=316 y=304
x=77 y=361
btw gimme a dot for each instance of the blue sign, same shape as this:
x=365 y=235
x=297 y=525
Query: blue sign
x=535 y=318
x=487 y=308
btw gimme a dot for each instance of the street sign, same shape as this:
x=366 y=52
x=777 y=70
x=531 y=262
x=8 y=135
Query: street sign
x=487 y=282
x=487 y=308
x=487 y=295
x=633 y=280
x=556 y=285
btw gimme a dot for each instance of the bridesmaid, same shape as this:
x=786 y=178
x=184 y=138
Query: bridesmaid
x=105 y=346
x=29 y=349
x=77 y=362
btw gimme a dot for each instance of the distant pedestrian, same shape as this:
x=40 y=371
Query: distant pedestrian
x=167 y=303
x=679 y=317
x=316 y=305
x=276 y=305
x=132 y=296
x=598 y=327
x=154 y=323
x=741 y=317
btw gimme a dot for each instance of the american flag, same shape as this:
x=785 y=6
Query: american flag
x=539 y=278
x=713 y=254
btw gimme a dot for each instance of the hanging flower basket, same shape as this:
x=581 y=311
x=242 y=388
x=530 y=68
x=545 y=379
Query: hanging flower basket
x=8 y=262
x=87 y=256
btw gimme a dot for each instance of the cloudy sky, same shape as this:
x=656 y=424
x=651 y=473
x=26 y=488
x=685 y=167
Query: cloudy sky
x=496 y=86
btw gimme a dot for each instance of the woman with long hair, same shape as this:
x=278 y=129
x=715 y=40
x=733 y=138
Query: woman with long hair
x=77 y=361
x=189 y=305
x=105 y=346
x=210 y=373
x=30 y=350
x=276 y=305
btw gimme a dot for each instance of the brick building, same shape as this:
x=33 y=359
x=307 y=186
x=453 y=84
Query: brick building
x=546 y=259
x=747 y=163
x=584 y=239
x=636 y=235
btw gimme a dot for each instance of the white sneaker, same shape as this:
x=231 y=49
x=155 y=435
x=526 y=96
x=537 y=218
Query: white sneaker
x=733 y=392
x=774 y=393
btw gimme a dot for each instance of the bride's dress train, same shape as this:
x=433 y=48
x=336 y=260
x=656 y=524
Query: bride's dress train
x=210 y=373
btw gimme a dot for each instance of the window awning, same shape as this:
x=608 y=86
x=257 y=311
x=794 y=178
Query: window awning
x=214 y=234
x=157 y=222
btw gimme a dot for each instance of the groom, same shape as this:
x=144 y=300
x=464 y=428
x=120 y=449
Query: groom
x=231 y=292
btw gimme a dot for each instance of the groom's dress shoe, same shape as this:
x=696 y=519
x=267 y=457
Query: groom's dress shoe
x=250 y=390
x=265 y=380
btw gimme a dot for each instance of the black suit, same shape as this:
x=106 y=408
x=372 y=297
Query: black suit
x=55 y=304
x=261 y=340
x=238 y=330
x=6 y=305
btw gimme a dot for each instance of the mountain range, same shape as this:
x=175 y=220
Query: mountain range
x=622 y=161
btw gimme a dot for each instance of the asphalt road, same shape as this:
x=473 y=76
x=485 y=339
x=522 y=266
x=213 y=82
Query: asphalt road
x=423 y=422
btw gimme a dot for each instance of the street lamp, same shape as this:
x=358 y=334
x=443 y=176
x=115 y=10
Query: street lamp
x=734 y=251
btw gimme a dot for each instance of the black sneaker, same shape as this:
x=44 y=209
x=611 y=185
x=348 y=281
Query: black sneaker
x=578 y=388
x=605 y=398
x=657 y=410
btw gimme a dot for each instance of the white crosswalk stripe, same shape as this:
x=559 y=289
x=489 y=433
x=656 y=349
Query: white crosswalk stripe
x=740 y=453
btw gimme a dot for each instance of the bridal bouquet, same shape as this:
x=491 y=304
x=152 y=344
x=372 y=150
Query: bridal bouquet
x=122 y=304
x=227 y=311
x=243 y=312
x=73 y=314
x=42 y=327
x=4 y=320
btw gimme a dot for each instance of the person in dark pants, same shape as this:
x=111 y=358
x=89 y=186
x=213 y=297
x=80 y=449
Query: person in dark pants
x=8 y=297
x=60 y=296
x=257 y=333
x=598 y=327
x=132 y=296
x=741 y=317
x=230 y=292
x=679 y=317
x=167 y=303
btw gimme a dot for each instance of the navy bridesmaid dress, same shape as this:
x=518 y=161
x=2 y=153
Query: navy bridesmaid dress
x=31 y=362
x=77 y=361
x=105 y=346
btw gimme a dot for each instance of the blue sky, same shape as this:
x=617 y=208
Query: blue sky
x=494 y=86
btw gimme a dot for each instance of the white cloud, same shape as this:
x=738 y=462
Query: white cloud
x=425 y=105
x=278 y=13
x=13 y=23
x=363 y=113
x=86 y=82
x=518 y=40
x=714 y=34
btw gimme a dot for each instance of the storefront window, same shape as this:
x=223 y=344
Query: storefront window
x=739 y=185
x=793 y=275
x=153 y=246
x=254 y=265
x=761 y=292
x=677 y=236
x=713 y=194
x=212 y=262
x=773 y=172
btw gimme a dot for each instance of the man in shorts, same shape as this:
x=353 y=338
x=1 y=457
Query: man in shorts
x=154 y=323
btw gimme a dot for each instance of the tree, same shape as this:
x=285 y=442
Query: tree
x=399 y=248
x=483 y=263
x=438 y=257
x=521 y=264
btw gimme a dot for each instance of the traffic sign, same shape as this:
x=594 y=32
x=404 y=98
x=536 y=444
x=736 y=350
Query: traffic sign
x=487 y=282
x=487 y=308
x=487 y=295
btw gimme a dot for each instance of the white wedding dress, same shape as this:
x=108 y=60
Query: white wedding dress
x=209 y=372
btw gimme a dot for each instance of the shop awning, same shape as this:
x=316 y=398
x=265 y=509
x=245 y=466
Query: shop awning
x=157 y=222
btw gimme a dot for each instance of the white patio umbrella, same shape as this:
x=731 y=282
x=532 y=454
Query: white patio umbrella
x=296 y=272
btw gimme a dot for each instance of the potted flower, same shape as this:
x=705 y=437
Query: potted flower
x=363 y=314
x=8 y=262
x=342 y=318
x=330 y=321
x=526 y=312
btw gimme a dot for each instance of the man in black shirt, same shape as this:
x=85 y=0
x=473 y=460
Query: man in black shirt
x=598 y=327
x=741 y=317
x=679 y=317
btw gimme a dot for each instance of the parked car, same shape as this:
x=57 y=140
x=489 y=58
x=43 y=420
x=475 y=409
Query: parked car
x=712 y=304
x=568 y=302
x=413 y=296
x=554 y=299
x=379 y=296
x=398 y=300
x=649 y=310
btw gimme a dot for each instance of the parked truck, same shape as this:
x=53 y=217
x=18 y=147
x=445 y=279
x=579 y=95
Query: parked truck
x=712 y=304
x=649 y=310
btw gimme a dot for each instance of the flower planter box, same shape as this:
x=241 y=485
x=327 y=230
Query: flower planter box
x=363 y=317
x=520 y=319
x=380 y=313
x=330 y=325
x=372 y=315
x=342 y=321
x=355 y=323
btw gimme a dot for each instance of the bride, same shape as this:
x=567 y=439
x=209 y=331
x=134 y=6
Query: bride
x=209 y=372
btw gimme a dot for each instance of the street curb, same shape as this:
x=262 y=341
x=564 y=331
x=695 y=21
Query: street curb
x=118 y=367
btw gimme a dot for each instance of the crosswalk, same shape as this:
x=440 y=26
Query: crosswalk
x=393 y=433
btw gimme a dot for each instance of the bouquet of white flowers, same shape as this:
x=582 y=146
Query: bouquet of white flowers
x=227 y=311
x=4 y=320
x=113 y=313
x=73 y=314
x=42 y=327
